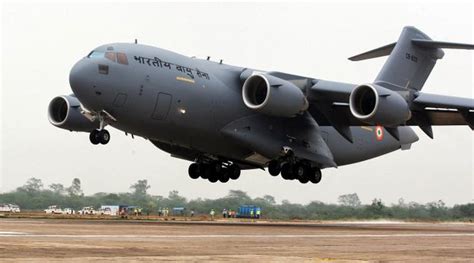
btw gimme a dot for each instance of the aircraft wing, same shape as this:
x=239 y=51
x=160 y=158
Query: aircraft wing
x=330 y=106
x=432 y=109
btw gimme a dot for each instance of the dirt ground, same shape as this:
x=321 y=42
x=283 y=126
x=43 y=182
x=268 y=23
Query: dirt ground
x=138 y=241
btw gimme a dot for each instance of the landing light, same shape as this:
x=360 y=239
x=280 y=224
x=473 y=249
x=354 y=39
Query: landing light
x=183 y=111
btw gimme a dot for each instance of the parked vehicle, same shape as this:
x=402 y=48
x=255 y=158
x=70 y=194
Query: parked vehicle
x=249 y=211
x=68 y=211
x=112 y=210
x=54 y=209
x=12 y=208
x=88 y=210
x=106 y=211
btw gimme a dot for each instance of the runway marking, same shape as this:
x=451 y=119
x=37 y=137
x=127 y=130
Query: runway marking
x=8 y=233
x=19 y=234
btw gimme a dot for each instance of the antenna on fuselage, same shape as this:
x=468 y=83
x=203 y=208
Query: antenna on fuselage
x=208 y=57
x=220 y=62
x=136 y=41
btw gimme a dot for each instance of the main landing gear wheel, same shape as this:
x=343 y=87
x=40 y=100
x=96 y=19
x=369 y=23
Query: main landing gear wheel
x=287 y=171
x=99 y=136
x=224 y=176
x=234 y=171
x=315 y=176
x=274 y=168
x=214 y=171
x=194 y=171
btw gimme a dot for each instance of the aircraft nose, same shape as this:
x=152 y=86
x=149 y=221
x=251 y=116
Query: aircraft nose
x=78 y=78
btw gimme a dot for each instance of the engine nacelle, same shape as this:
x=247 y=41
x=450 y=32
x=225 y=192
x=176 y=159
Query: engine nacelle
x=273 y=96
x=65 y=112
x=376 y=105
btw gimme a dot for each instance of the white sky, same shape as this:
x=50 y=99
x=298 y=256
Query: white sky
x=41 y=42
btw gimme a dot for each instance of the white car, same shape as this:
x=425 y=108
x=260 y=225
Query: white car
x=88 y=210
x=53 y=209
x=106 y=211
x=9 y=208
x=68 y=211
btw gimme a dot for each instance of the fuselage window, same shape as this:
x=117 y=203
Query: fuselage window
x=122 y=58
x=111 y=56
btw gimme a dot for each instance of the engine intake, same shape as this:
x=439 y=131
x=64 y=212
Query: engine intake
x=378 y=106
x=65 y=112
x=273 y=96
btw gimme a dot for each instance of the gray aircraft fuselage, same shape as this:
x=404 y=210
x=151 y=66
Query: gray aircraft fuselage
x=225 y=118
x=185 y=113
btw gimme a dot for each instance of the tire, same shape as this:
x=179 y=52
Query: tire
x=315 y=176
x=303 y=180
x=205 y=171
x=274 y=168
x=104 y=137
x=286 y=171
x=299 y=171
x=213 y=179
x=94 y=137
x=224 y=176
x=234 y=171
x=193 y=171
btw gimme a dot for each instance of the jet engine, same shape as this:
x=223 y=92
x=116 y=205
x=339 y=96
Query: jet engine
x=376 y=105
x=65 y=112
x=273 y=96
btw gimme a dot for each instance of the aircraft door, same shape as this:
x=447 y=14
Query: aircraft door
x=162 y=106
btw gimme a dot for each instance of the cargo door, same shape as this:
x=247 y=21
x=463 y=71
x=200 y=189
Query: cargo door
x=162 y=106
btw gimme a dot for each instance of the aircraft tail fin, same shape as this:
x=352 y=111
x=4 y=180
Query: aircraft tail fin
x=411 y=59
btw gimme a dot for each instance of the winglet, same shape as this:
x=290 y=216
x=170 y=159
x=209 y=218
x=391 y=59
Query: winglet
x=375 y=53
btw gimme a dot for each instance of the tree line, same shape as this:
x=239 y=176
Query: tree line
x=34 y=196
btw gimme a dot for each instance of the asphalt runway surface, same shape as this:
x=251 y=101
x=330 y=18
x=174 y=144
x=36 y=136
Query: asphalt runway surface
x=76 y=240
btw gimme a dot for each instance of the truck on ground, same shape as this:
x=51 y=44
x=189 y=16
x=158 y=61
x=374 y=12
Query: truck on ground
x=11 y=208
x=249 y=211
x=87 y=210
x=68 y=211
x=53 y=209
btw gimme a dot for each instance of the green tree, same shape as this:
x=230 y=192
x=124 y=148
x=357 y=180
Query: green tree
x=33 y=185
x=75 y=189
x=349 y=200
x=140 y=188
x=269 y=199
x=57 y=188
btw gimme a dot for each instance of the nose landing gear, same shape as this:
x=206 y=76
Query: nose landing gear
x=101 y=135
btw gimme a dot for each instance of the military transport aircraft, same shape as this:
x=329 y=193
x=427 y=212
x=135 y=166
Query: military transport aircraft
x=225 y=118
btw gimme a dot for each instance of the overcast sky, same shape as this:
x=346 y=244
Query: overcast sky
x=41 y=42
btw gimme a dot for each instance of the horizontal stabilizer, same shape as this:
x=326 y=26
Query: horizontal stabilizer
x=426 y=43
x=375 y=53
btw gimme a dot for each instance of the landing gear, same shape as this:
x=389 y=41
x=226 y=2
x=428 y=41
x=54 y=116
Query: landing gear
x=94 y=137
x=287 y=171
x=315 y=176
x=274 y=168
x=99 y=136
x=193 y=171
x=291 y=170
x=214 y=171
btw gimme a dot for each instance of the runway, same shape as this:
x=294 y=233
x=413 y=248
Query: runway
x=80 y=240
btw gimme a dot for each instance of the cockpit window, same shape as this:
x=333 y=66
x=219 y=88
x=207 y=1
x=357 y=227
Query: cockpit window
x=96 y=54
x=119 y=57
x=110 y=56
x=122 y=58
